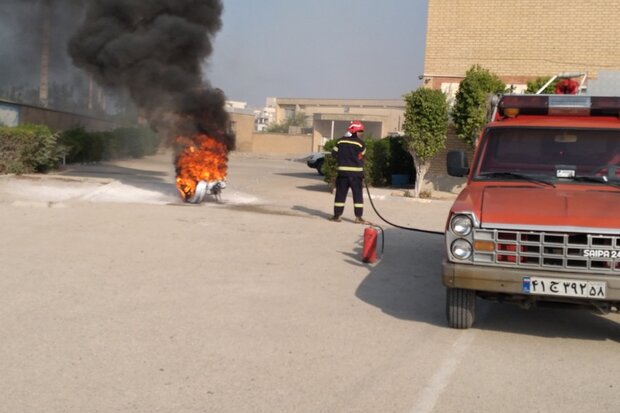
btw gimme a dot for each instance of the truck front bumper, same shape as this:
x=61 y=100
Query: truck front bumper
x=510 y=280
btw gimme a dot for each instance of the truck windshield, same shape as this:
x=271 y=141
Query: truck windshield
x=549 y=154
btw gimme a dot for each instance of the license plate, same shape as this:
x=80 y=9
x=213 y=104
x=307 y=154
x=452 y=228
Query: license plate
x=601 y=253
x=564 y=288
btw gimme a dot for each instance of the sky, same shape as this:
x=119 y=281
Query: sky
x=364 y=49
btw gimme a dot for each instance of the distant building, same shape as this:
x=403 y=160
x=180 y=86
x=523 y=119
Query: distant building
x=235 y=106
x=329 y=118
x=265 y=116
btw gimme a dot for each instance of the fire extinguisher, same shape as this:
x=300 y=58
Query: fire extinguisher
x=369 y=250
x=371 y=233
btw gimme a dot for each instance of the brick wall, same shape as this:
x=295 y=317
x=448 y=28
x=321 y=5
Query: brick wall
x=243 y=126
x=524 y=38
x=281 y=143
x=518 y=41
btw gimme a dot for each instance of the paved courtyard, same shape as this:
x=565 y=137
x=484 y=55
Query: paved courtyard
x=118 y=297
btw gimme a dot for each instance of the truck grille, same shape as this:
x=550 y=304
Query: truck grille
x=549 y=250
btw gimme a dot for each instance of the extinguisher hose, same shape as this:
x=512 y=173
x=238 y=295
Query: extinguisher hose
x=396 y=225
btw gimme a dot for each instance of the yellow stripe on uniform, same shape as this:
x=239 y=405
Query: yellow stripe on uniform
x=351 y=168
x=358 y=205
x=353 y=143
x=339 y=204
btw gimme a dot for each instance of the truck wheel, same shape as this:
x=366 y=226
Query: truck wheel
x=319 y=165
x=460 y=307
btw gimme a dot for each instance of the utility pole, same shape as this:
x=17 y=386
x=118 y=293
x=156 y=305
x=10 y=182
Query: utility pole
x=46 y=9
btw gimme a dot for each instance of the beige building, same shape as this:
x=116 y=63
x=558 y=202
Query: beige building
x=519 y=40
x=249 y=140
x=329 y=118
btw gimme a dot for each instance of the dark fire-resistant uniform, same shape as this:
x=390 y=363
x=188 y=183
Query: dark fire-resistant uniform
x=349 y=154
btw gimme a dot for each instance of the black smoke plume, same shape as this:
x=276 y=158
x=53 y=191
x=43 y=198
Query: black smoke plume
x=154 y=50
x=21 y=44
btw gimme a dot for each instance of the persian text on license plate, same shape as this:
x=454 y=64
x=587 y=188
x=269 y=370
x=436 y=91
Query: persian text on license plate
x=565 y=288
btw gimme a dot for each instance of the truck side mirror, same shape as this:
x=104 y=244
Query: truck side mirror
x=457 y=163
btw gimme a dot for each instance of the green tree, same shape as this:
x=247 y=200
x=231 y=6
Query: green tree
x=298 y=119
x=426 y=126
x=534 y=86
x=471 y=104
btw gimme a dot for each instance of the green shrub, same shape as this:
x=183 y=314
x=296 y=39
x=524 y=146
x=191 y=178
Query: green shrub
x=329 y=165
x=377 y=161
x=136 y=142
x=94 y=150
x=85 y=147
x=35 y=148
x=27 y=149
x=82 y=146
x=73 y=140
x=116 y=146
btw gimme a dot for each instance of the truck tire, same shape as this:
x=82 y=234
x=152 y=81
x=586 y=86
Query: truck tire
x=319 y=165
x=460 y=307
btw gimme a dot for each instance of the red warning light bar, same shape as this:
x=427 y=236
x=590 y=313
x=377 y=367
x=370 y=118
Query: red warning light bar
x=558 y=105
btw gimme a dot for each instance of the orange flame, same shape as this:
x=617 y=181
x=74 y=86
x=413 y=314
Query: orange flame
x=202 y=159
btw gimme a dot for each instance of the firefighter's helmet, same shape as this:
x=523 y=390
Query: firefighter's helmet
x=356 y=126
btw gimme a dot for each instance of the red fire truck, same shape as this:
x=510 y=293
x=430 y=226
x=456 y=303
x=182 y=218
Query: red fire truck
x=539 y=219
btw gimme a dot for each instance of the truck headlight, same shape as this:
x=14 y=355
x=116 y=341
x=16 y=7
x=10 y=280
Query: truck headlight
x=461 y=225
x=461 y=249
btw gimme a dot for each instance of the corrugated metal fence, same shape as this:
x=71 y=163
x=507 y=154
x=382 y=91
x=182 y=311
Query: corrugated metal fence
x=14 y=114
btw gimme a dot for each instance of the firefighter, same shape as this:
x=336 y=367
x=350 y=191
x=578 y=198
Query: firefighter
x=349 y=154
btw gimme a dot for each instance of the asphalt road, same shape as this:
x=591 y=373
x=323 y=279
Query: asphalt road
x=117 y=297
